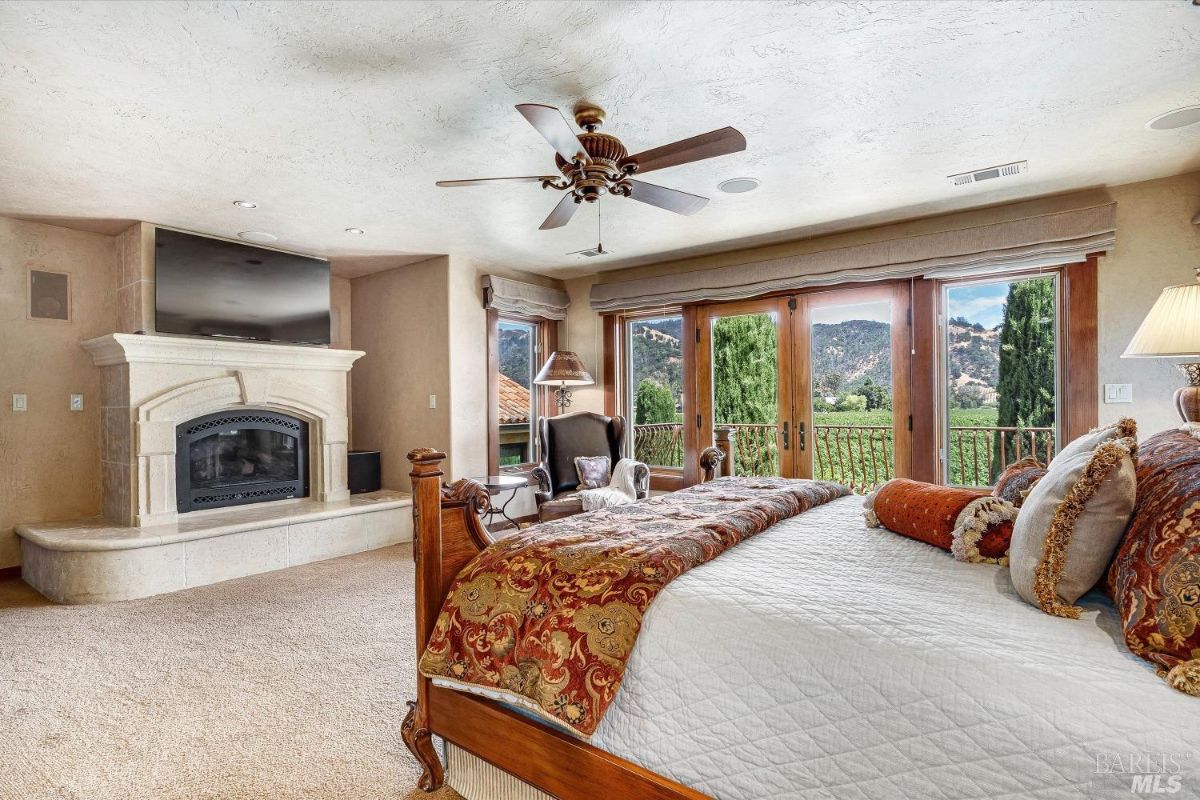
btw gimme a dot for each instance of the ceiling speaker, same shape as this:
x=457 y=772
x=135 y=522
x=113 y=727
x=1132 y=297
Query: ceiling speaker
x=49 y=295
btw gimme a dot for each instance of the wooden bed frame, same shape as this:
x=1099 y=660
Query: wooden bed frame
x=447 y=533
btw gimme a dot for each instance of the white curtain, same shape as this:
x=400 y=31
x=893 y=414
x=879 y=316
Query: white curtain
x=1062 y=237
x=526 y=299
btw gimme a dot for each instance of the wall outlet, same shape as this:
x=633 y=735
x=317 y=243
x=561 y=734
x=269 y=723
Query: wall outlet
x=20 y=402
x=1118 y=393
x=433 y=401
x=77 y=402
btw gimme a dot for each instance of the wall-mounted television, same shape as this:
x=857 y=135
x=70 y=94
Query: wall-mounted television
x=211 y=287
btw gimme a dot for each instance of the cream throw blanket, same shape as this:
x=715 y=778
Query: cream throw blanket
x=621 y=490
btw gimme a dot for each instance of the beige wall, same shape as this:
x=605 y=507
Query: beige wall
x=1157 y=246
x=50 y=455
x=400 y=320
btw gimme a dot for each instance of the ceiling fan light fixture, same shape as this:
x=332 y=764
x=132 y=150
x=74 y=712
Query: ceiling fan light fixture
x=739 y=185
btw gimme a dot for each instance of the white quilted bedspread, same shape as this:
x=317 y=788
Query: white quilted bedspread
x=822 y=659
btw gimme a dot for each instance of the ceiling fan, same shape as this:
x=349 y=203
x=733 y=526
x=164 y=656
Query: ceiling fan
x=594 y=164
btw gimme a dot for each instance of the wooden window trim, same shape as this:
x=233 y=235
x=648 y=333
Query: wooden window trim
x=547 y=341
x=1079 y=358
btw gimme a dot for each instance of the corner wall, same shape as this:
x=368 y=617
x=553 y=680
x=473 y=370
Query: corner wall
x=50 y=454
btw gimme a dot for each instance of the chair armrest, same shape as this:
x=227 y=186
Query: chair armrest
x=641 y=479
x=544 y=491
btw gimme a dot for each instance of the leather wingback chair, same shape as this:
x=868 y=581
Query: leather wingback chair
x=562 y=439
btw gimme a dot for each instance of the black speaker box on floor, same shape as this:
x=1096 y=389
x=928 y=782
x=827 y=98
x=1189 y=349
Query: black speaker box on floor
x=363 y=471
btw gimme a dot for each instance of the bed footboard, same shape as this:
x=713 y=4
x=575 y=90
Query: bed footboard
x=447 y=534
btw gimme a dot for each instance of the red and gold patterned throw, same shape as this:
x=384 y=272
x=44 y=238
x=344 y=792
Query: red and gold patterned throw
x=547 y=617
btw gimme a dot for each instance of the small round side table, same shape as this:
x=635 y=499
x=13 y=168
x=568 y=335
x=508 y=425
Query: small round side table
x=497 y=485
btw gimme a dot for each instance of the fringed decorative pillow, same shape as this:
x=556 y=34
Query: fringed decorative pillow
x=1155 y=578
x=593 y=471
x=1073 y=519
x=971 y=524
x=1018 y=480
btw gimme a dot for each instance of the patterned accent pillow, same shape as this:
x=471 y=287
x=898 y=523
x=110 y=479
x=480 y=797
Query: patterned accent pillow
x=969 y=523
x=1074 y=518
x=592 y=471
x=1155 y=578
x=1018 y=479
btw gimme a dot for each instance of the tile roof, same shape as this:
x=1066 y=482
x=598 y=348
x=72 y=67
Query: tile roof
x=514 y=402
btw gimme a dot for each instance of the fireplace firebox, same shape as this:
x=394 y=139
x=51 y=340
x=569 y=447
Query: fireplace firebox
x=237 y=457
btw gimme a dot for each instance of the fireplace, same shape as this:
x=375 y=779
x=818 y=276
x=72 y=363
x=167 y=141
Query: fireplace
x=237 y=457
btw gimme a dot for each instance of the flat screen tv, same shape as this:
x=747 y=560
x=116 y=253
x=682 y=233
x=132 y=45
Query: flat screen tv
x=211 y=287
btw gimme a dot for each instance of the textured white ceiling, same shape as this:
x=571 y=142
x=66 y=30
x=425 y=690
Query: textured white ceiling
x=340 y=114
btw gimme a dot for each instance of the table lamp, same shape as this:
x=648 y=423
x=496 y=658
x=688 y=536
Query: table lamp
x=562 y=369
x=1172 y=330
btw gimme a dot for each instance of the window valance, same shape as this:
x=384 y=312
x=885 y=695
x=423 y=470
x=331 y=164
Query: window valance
x=1062 y=237
x=526 y=299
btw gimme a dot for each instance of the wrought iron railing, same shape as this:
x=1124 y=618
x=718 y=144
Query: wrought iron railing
x=861 y=456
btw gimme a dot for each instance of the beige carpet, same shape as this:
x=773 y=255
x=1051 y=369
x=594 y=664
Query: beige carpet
x=285 y=685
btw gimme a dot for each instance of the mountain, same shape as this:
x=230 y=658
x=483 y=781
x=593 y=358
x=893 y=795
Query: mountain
x=974 y=353
x=658 y=353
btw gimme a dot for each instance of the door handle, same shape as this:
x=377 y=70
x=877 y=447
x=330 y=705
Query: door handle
x=785 y=435
x=803 y=438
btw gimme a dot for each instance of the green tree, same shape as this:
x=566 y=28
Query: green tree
x=852 y=402
x=653 y=403
x=744 y=385
x=878 y=397
x=744 y=369
x=1026 y=384
x=829 y=384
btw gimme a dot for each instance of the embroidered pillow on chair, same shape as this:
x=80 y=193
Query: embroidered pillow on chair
x=593 y=471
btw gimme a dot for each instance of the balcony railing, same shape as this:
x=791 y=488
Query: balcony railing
x=860 y=456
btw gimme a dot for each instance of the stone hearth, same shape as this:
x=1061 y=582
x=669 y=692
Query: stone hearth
x=143 y=546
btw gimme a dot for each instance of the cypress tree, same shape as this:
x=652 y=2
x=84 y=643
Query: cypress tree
x=1027 y=369
x=745 y=378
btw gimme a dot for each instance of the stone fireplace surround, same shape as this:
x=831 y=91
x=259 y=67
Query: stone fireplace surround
x=142 y=545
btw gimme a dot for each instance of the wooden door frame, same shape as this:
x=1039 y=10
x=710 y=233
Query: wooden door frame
x=899 y=295
x=705 y=314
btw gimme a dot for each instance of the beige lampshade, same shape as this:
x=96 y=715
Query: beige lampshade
x=563 y=368
x=1172 y=328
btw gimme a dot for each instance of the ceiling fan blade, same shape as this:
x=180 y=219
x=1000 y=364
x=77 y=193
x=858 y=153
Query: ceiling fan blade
x=562 y=213
x=707 y=145
x=670 y=199
x=553 y=126
x=480 y=181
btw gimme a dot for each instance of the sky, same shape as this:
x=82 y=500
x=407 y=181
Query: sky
x=981 y=302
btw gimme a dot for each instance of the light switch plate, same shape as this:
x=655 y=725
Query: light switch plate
x=20 y=402
x=433 y=401
x=77 y=402
x=1118 y=393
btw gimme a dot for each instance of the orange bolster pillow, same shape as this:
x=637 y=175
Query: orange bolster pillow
x=971 y=524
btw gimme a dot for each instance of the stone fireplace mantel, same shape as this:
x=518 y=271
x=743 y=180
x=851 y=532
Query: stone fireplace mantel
x=142 y=545
x=153 y=383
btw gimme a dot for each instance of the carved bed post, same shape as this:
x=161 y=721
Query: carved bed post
x=724 y=434
x=427 y=552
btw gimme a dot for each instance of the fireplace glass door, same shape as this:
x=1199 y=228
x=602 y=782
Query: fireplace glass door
x=230 y=459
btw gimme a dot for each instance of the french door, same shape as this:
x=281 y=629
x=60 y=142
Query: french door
x=814 y=385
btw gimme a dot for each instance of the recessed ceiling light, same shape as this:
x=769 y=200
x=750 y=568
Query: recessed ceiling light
x=245 y=204
x=739 y=185
x=1178 y=118
x=258 y=236
x=355 y=230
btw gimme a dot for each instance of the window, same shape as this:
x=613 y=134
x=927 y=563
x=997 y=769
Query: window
x=515 y=355
x=655 y=388
x=1000 y=387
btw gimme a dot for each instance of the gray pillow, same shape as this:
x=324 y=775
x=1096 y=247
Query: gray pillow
x=1073 y=519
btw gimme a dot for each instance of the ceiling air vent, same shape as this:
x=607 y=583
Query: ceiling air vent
x=1003 y=171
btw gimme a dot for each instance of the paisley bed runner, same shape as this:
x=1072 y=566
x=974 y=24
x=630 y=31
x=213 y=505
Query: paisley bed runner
x=545 y=619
